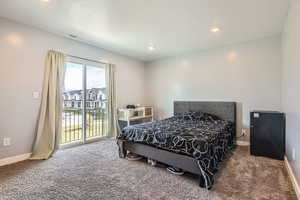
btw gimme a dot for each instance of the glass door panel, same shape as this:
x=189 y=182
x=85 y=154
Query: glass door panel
x=84 y=114
x=72 y=116
x=96 y=100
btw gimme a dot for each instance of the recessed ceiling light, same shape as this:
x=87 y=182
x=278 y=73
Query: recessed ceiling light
x=151 y=48
x=215 y=29
x=46 y=1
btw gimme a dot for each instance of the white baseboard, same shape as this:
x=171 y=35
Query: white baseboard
x=242 y=143
x=292 y=177
x=14 y=159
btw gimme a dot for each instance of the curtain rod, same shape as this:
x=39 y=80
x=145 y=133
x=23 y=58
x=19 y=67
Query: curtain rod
x=86 y=59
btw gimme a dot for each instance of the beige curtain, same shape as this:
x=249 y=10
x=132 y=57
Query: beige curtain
x=113 y=127
x=49 y=123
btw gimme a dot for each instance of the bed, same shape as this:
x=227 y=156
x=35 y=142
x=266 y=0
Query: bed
x=196 y=139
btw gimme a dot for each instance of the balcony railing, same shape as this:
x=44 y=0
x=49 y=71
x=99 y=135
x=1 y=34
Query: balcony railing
x=72 y=124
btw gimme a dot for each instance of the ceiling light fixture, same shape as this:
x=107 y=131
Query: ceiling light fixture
x=215 y=29
x=46 y=1
x=151 y=48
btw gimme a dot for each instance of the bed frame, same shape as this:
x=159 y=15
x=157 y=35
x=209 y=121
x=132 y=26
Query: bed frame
x=224 y=110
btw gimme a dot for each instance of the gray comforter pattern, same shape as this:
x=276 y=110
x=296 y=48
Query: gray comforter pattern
x=202 y=136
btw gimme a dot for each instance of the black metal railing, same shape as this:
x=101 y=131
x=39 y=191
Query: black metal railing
x=95 y=122
x=73 y=123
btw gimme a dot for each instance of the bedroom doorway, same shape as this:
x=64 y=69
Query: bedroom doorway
x=84 y=116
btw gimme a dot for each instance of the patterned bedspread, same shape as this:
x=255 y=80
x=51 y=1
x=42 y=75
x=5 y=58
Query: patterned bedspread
x=202 y=136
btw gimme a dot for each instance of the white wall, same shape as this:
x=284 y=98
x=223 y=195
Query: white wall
x=22 y=53
x=291 y=84
x=249 y=74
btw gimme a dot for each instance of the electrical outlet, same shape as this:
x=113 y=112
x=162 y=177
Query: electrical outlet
x=6 y=141
x=294 y=154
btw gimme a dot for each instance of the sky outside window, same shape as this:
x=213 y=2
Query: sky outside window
x=74 y=77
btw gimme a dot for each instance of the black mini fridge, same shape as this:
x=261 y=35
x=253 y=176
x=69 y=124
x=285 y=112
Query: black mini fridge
x=267 y=134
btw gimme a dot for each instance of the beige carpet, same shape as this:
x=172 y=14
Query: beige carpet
x=94 y=171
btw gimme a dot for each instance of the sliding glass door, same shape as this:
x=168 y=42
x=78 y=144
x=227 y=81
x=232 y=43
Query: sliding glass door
x=96 y=102
x=84 y=102
x=72 y=119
